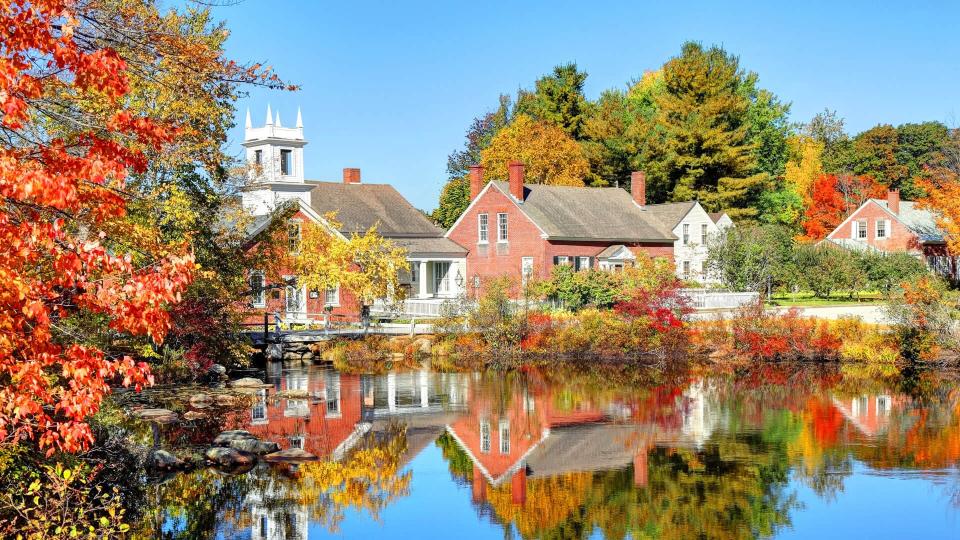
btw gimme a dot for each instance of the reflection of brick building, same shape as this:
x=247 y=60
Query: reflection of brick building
x=539 y=431
x=316 y=411
x=870 y=414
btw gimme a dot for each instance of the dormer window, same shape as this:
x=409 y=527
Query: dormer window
x=286 y=162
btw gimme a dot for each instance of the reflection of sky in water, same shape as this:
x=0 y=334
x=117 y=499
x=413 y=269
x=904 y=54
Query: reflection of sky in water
x=526 y=455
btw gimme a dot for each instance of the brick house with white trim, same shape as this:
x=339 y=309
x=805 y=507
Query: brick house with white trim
x=893 y=225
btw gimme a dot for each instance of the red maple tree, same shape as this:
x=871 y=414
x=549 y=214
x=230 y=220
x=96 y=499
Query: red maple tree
x=833 y=198
x=69 y=142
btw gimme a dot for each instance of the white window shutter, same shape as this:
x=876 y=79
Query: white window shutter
x=855 y=225
x=889 y=229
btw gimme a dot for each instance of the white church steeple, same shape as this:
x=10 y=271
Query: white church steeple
x=275 y=157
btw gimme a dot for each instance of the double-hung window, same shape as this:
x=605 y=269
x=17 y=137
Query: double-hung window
x=703 y=234
x=483 y=228
x=485 y=437
x=441 y=277
x=860 y=229
x=502 y=232
x=257 y=296
x=504 y=434
x=686 y=233
x=686 y=269
x=331 y=296
x=293 y=237
x=881 y=228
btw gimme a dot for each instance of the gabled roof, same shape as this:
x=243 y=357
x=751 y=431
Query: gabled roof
x=360 y=206
x=591 y=214
x=717 y=216
x=922 y=222
x=671 y=214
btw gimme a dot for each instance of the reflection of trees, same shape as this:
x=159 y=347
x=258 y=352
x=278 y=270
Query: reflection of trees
x=731 y=489
x=196 y=505
x=461 y=468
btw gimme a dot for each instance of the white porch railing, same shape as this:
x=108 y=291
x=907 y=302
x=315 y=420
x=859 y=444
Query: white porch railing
x=714 y=299
x=417 y=307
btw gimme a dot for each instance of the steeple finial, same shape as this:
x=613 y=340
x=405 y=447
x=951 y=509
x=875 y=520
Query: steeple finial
x=299 y=118
x=277 y=122
x=248 y=124
x=269 y=116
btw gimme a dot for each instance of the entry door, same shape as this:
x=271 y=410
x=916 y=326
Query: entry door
x=296 y=300
x=441 y=276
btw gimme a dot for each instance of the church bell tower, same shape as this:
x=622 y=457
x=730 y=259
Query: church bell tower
x=275 y=163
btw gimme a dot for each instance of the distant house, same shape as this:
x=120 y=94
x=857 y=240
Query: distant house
x=693 y=227
x=518 y=229
x=275 y=153
x=893 y=225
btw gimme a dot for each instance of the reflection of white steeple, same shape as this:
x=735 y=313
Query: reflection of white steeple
x=698 y=418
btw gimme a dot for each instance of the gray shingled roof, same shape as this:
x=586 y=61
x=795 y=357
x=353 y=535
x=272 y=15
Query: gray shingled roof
x=359 y=206
x=922 y=222
x=670 y=214
x=586 y=447
x=437 y=246
x=579 y=213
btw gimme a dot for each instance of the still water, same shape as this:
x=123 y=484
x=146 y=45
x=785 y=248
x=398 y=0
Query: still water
x=776 y=452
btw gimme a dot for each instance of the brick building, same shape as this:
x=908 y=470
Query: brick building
x=893 y=225
x=276 y=177
x=517 y=229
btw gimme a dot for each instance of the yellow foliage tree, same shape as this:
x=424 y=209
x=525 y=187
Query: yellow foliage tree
x=804 y=166
x=368 y=265
x=549 y=154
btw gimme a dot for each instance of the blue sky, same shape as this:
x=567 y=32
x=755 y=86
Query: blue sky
x=391 y=87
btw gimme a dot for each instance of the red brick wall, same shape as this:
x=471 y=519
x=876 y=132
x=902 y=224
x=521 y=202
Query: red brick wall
x=491 y=260
x=276 y=299
x=900 y=238
x=525 y=240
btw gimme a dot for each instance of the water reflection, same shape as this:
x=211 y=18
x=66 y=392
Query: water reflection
x=580 y=453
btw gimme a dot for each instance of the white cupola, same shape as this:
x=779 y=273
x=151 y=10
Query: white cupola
x=275 y=163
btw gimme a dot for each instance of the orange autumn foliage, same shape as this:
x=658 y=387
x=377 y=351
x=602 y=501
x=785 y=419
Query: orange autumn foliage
x=70 y=141
x=943 y=197
x=833 y=198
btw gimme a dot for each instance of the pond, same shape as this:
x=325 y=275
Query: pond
x=776 y=451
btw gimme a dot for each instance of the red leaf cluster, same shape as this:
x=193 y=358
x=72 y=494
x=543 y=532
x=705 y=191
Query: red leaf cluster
x=59 y=196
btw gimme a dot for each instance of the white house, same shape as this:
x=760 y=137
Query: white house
x=694 y=228
x=276 y=175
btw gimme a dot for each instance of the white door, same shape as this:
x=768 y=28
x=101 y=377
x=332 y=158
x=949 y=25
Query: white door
x=526 y=269
x=296 y=301
x=441 y=276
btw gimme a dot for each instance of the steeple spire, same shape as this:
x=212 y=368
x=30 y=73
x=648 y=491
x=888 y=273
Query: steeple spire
x=299 y=119
x=269 y=116
x=248 y=124
x=277 y=122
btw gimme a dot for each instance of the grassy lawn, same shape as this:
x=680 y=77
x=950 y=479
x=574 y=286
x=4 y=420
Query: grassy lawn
x=807 y=299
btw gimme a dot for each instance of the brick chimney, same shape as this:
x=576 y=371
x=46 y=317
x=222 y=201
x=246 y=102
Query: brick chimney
x=476 y=180
x=351 y=175
x=893 y=201
x=638 y=187
x=516 y=180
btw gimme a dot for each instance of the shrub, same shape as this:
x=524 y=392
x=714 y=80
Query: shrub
x=922 y=319
x=788 y=336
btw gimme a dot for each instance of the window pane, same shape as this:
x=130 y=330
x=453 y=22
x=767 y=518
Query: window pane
x=286 y=162
x=483 y=227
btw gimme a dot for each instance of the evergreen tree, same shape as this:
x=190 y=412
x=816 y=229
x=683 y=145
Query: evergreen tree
x=703 y=132
x=558 y=99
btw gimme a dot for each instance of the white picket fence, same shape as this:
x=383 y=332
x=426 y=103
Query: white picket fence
x=717 y=299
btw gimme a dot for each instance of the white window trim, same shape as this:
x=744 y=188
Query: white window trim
x=582 y=261
x=505 y=229
x=685 y=234
x=504 y=429
x=292 y=171
x=336 y=296
x=483 y=230
x=485 y=430
x=886 y=228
